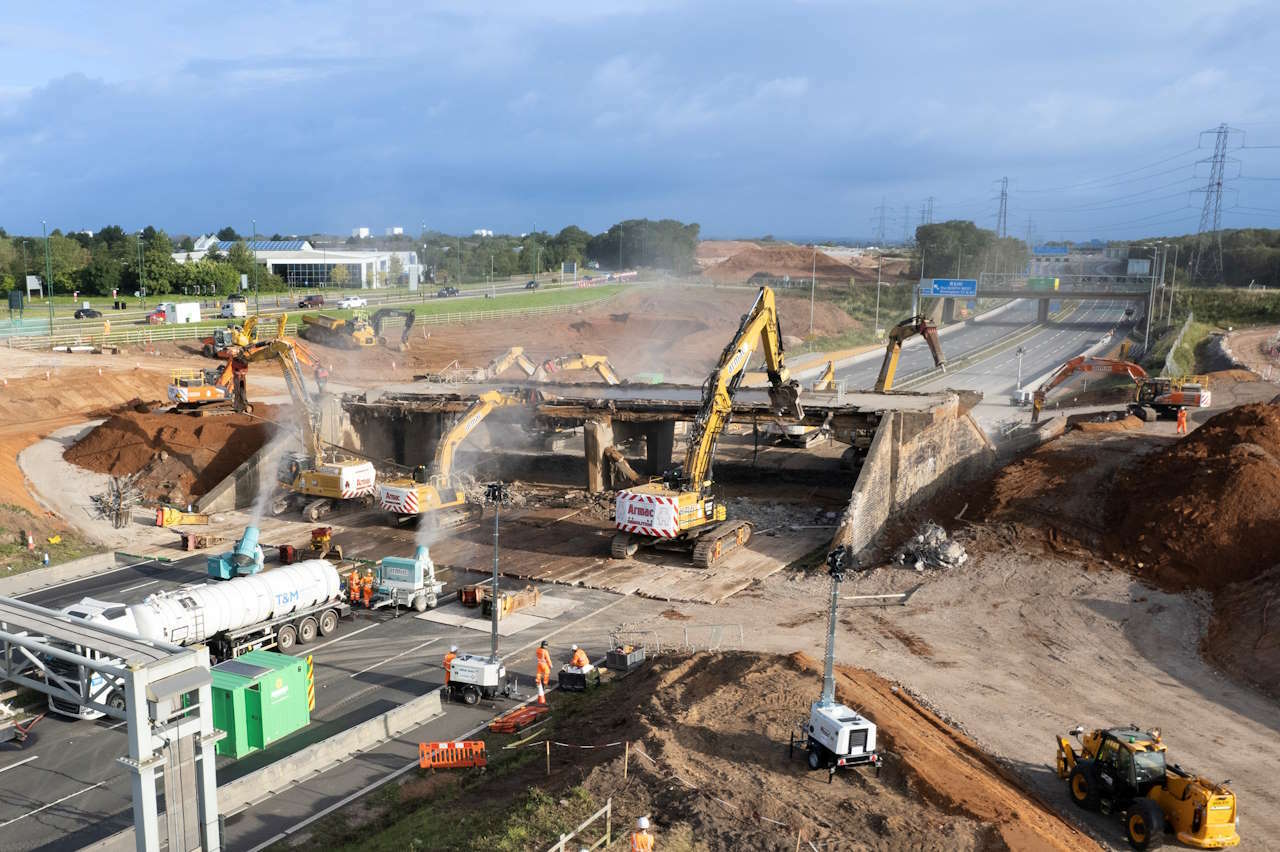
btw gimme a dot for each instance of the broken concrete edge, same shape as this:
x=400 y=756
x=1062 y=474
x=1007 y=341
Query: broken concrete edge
x=274 y=778
x=1040 y=433
x=240 y=488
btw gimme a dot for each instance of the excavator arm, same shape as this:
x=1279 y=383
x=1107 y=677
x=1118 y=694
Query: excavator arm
x=381 y=315
x=442 y=466
x=828 y=378
x=759 y=329
x=513 y=356
x=282 y=351
x=250 y=326
x=578 y=361
x=1083 y=364
x=900 y=334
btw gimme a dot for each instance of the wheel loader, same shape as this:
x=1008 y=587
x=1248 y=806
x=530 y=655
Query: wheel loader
x=1122 y=772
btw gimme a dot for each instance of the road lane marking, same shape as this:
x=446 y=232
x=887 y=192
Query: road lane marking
x=139 y=586
x=396 y=657
x=343 y=636
x=19 y=763
x=51 y=804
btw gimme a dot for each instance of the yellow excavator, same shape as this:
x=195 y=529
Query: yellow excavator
x=379 y=318
x=354 y=333
x=318 y=479
x=513 y=357
x=578 y=361
x=679 y=509
x=798 y=434
x=226 y=342
x=434 y=494
x=900 y=334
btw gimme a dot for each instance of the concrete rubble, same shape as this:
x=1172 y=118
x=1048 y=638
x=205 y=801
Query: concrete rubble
x=931 y=547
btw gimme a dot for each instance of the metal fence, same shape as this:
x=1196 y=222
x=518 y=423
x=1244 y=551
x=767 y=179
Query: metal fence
x=602 y=842
x=1170 y=365
x=684 y=640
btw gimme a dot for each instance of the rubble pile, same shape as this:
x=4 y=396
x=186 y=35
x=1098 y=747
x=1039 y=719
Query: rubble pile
x=931 y=547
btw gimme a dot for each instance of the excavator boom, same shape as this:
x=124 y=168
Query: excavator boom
x=381 y=315
x=1084 y=364
x=442 y=466
x=512 y=357
x=578 y=361
x=283 y=352
x=900 y=334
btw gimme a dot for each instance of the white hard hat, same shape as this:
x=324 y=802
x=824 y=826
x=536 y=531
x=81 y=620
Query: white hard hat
x=453 y=648
x=575 y=647
x=642 y=823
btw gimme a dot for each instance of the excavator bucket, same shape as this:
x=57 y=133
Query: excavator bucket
x=1066 y=757
x=930 y=333
x=784 y=399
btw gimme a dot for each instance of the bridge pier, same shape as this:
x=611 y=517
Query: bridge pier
x=948 y=311
x=597 y=436
x=1042 y=310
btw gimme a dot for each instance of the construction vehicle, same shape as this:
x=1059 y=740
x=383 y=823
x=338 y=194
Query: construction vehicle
x=323 y=546
x=1155 y=395
x=798 y=434
x=834 y=735
x=318 y=479
x=170 y=517
x=230 y=339
x=578 y=361
x=433 y=493
x=900 y=334
x=1123 y=772
x=513 y=357
x=679 y=509
x=409 y=582
x=354 y=333
x=244 y=559
x=380 y=317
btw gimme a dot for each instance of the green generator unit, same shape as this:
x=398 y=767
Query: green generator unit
x=258 y=698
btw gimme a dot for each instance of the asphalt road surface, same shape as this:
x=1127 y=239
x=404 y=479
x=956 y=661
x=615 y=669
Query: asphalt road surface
x=64 y=788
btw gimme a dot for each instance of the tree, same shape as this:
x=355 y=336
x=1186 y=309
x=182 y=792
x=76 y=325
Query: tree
x=228 y=234
x=340 y=275
x=395 y=269
x=187 y=244
x=240 y=257
x=66 y=259
x=102 y=275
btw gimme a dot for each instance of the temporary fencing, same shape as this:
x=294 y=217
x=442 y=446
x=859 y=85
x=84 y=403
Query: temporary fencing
x=452 y=755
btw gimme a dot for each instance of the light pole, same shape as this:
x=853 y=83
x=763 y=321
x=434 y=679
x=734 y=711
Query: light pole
x=1173 y=282
x=253 y=252
x=880 y=267
x=142 y=273
x=496 y=493
x=1020 y=353
x=48 y=274
x=1146 y=336
x=813 y=279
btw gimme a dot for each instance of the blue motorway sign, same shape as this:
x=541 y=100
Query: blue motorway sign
x=1059 y=250
x=961 y=287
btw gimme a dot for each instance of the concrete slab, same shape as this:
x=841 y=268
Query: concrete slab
x=464 y=618
x=549 y=606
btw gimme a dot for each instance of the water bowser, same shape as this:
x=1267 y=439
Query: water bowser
x=242 y=560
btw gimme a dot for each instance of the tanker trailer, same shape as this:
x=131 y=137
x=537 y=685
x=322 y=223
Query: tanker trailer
x=278 y=609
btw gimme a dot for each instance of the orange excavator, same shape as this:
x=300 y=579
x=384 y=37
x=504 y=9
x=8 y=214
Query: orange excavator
x=1156 y=395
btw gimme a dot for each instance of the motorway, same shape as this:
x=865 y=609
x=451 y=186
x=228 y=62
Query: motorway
x=64 y=788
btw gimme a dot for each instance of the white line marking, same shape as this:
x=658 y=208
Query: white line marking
x=80 y=579
x=139 y=586
x=51 y=804
x=396 y=657
x=343 y=636
x=19 y=763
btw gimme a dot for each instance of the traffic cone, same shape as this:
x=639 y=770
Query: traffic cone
x=542 y=698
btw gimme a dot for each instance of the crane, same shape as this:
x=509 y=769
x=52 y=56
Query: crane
x=1154 y=395
x=578 y=361
x=679 y=508
x=900 y=334
x=429 y=492
x=316 y=479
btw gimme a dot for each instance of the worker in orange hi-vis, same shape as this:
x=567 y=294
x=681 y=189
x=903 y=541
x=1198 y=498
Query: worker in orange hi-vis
x=448 y=661
x=543 y=677
x=353 y=585
x=579 y=659
x=1182 y=421
x=368 y=588
x=641 y=839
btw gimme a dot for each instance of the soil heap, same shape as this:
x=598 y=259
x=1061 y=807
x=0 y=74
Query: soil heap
x=174 y=457
x=777 y=261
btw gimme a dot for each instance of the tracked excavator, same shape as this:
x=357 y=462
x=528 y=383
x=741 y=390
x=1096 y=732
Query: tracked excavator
x=433 y=494
x=679 y=509
x=1155 y=395
x=900 y=334
x=380 y=317
x=513 y=357
x=318 y=479
x=226 y=342
x=578 y=361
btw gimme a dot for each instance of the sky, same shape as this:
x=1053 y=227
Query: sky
x=797 y=119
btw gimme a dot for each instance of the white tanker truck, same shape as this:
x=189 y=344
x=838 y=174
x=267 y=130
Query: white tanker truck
x=286 y=606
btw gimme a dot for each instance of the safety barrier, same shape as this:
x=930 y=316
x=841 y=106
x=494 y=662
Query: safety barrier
x=128 y=337
x=311 y=684
x=517 y=719
x=452 y=755
x=602 y=843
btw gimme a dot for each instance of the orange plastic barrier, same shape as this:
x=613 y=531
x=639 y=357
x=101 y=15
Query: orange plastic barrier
x=514 y=720
x=451 y=755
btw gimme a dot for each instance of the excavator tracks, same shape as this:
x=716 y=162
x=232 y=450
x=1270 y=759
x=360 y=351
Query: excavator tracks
x=714 y=545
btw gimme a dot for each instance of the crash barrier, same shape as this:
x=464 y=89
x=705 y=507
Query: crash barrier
x=602 y=843
x=452 y=755
x=518 y=719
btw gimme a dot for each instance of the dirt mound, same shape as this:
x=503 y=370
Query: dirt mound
x=1224 y=377
x=1121 y=424
x=777 y=261
x=1201 y=513
x=1244 y=635
x=710 y=252
x=176 y=457
x=709 y=759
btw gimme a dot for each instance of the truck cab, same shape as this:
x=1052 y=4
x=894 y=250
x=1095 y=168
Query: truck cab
x=100 y=689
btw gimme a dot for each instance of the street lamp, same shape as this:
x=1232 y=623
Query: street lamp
x=253 y=253
x=48 y=275
x=880 y=267
x=1173 y=282
x=1020 y=353
x=142 y=273
x=813 y=278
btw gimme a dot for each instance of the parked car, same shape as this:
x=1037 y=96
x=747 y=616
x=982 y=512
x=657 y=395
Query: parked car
x=156 y=317
x=531 y=284
x=88 y=313
x=446 y=291
x=314 y=301
x=353 y=302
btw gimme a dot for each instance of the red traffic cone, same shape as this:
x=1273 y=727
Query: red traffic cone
x=542 y=698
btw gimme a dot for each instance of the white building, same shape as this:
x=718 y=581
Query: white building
x=302 y=265
x=395 y=231
x=360 y=233
x=482 y=232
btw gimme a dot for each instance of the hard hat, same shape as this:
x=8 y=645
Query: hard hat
x=642 y=823
x=453 y=648
x=544 y=643
x=575 y=647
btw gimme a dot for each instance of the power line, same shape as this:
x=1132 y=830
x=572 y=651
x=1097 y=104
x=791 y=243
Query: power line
x=1116 y=175
x=1209 y=234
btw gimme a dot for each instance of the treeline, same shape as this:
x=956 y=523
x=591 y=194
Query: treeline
x=960 y=249
x=1249 y=256
x=657 y=244
x=115 y=260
